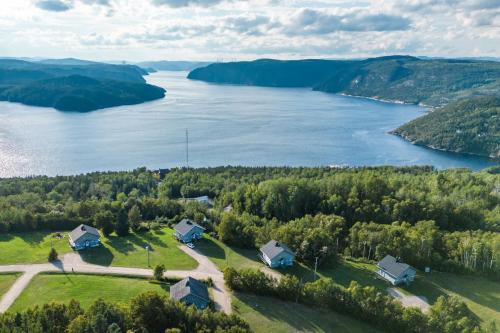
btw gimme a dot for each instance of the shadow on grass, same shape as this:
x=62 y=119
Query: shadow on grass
x=300 y=317
x=346 y=271
x=211 y=249
x=477 y=289
x=32 y=238
x=98 y=256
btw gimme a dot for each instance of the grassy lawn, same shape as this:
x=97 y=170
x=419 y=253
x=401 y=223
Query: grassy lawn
x=272 y=315
x=130 y=251
x=29 y=247
x=47 y=288
x=6 y=280
x=33 y=247
x=481 y=295
x=223 y=255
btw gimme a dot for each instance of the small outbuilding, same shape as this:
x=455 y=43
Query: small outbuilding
x=276 y=254
x=187 y=231
x=395 y=271
x=84 y=237
x=191 y=291
x=204 y=200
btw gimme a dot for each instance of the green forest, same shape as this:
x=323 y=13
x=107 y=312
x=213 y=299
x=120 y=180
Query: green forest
x=469 y=126
x=74 y=85
x=433 y=82
x=449 y=220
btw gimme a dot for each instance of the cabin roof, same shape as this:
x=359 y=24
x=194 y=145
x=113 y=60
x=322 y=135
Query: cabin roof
x=189 y=286
x=185 y=226
x=392 y=266
x=274 y=248
x=81 y=230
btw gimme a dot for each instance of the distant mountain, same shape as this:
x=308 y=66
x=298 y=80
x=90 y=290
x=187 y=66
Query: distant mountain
x=13 y=71
x=81 y=93
x=469 y=126
x=74 y=85
x=172 y=65
x=433 y=82
x=67 y=61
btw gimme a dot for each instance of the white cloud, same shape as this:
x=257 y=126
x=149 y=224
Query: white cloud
x=246 y=29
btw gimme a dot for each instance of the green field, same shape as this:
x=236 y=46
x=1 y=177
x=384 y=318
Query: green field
x=271 y=315
x=47 y=288
x=481 y=295
x=6 y=280
x=130 y=251
x=29 y=247
x=33 y=247
x=223 y=255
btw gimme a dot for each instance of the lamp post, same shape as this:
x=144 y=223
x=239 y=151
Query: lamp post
x=147 y=249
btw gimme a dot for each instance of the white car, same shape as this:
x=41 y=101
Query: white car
x=190 y=245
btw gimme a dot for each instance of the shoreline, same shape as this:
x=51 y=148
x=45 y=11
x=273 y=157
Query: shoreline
x=413 y=142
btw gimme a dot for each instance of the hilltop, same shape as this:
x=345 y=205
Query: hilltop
x=407 y=79
x=80 y=93
x=74 y=85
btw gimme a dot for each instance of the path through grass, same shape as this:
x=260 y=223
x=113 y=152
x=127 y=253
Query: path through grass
x=47 y=288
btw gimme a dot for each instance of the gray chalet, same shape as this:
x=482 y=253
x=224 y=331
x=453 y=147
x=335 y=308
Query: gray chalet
x=394 y=271
x=83 y=237
x=187 y=231
x=276 y=254
x=191 y=291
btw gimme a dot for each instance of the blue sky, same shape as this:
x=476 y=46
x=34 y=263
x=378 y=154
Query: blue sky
x=238 y=30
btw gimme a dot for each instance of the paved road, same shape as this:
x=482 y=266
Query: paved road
x=73 y=262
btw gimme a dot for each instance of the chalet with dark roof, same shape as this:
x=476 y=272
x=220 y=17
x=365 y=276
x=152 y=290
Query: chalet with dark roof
x=395 y=271
x=84 y=237
x=187 y=231
x=191 y=291
x=276 y=254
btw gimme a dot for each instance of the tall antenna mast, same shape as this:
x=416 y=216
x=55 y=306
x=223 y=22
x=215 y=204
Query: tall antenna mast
x=187 y=149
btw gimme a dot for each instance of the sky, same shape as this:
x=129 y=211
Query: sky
x=228 y=30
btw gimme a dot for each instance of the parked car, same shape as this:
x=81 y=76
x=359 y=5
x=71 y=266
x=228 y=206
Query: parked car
x=190 y=245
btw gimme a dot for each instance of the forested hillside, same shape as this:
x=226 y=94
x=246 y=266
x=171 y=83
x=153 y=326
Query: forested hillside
x=365 y=212
x=81 y=93
x=470 y=126
x=432 y=82
x=73 y=85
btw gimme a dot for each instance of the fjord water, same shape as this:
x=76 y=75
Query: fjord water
x=228 y=125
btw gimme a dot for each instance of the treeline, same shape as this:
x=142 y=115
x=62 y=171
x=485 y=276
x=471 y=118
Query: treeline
x=446 y=315
x=449 y=220
x=146 y=313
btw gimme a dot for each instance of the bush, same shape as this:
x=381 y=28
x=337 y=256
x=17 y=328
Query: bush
x=53 y=255
x=158 y=272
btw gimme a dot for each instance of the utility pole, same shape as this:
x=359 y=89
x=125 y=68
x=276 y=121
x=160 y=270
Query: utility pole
x=187 y=149
x=316 y=267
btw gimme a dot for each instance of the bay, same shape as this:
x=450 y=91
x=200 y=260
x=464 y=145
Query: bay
x=228 y=125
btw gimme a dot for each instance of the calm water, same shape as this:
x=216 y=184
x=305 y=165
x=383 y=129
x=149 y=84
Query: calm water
x=228 y=125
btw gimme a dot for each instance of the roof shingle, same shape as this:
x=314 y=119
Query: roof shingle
x=274 y=248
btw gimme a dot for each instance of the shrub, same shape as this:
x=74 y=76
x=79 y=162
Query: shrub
x=53 y=255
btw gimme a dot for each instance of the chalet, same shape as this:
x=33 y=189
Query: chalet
x=187 y=231
x=191 y=291
x=275 y=254
x=394 y=271
x=204 y=200
x=84 y=237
